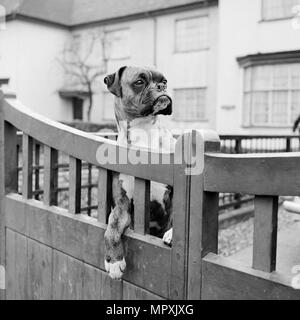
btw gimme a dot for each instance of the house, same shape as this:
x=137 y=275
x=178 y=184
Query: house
x=232 y=65
x=258 y=66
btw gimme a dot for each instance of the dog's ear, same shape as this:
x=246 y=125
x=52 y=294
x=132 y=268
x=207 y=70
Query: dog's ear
x=113 y=82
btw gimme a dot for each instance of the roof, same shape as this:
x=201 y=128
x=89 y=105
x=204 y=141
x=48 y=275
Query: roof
x=75 y=12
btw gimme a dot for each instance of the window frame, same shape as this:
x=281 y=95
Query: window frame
x=109 y=31
x=204 y=48
x=205 y=119
x=248 y=120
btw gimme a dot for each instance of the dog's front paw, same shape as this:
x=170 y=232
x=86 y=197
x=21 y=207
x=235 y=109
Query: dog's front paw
x=167 y=238
x=115 y=269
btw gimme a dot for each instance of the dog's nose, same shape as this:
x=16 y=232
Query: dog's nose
x=108 y=259
x=160 y=86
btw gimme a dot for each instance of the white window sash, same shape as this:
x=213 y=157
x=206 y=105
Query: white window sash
x=271 y=91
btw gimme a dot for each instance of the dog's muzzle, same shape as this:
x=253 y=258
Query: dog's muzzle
x=162 y=105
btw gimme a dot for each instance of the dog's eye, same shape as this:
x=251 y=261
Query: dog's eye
x=165 y=82
x=139 y=83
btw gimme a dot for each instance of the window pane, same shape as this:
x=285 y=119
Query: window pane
x=118 y=44
x=295 y=76
x=281 y=77
x=247 y=109
x=189 y=104
x=247 y=79
x=280 y=107
x=276 y=9
x=260 y=107
x=191 y=34
x=109 y=106
x=295 y=105
x=262 y=78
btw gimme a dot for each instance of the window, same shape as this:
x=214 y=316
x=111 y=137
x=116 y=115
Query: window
x=189 y=104
x=118 y=44
x=77 y=108
x=278 y=9
x=191 y=34
x=109 y=106
x=272 y=95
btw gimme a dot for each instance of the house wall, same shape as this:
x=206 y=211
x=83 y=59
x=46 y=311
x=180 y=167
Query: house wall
x=28 y=53
x=241 y=32
x=190 y=69
x=152 y=43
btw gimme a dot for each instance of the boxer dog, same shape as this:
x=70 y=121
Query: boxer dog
x=140 y=97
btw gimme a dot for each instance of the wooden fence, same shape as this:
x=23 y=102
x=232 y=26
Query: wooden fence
x=52 y=253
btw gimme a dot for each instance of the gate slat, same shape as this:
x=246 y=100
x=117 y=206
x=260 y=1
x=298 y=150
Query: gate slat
x=265 y=233
x=141 y=206
x=27 y=166
x=50 y=175
x=104 y=194
x=37 y=170
x=179 y=255
x=75 y=186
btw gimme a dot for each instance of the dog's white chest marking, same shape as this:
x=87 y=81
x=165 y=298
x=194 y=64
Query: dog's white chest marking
x=146 y=133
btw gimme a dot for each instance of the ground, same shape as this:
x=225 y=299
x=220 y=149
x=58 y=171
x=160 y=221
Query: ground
x=236 y=241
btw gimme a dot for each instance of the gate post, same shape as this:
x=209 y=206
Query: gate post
x=204 y=207
x=8 y=178
x=2 y=224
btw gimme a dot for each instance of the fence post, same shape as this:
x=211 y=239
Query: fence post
x=238 y=145
x=288 y=144
x=204 y=207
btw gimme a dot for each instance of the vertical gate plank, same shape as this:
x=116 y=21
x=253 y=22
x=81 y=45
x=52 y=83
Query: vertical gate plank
x=111 y=289
x=10 y=265
x=203 y=233
x=67 y=277
x=92 y=281
x=37 y=170
x=89 y=189
x=265 y=233
x=75 y=186
x=141 y=206
x=39 y=271
x=132 y=292
x=27 y=166
x=21 y=267
x=50 y=176
x=104 y=194
x=181 y=197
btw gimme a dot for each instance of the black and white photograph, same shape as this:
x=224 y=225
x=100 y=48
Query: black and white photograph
x=150 y=150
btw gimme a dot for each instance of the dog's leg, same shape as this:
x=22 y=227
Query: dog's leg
x=119 y=220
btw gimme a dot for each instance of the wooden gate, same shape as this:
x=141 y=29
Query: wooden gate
x=266 y=176
x=47 y=252
x=51 y=253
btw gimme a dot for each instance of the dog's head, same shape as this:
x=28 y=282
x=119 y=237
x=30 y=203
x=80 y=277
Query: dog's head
x=140 y=92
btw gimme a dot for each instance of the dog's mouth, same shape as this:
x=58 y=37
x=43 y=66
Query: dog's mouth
x=162 y=105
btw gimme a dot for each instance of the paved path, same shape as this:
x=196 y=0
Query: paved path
x=288 y=248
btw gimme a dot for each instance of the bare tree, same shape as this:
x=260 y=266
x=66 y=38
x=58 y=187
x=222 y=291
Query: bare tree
x=84 y=66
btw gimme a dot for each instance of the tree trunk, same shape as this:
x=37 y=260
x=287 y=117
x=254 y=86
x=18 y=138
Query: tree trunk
x=90 y=106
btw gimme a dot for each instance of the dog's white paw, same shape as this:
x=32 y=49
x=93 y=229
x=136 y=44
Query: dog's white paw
x=167 y=238
x=116 y=269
